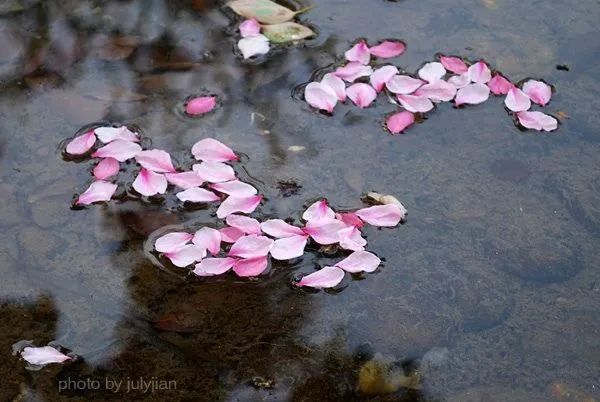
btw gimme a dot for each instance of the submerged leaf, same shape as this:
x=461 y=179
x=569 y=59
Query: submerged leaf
x=264 y=11
x=287 y=32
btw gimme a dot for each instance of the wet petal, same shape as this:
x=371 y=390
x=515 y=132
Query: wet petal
x=121 y=150
x=472 y=94
x=388 y=49
x=245 y=224
x=233 y=204
x=516 y=100
x=251 y=246
x=214 y=266
x=403 y=84
x=186 y=255
x=149 y=183
x=359 y=261
x=249 y=27
x=214 y=172
x=250 y=266
x=359 y=53
x=43 y=355
x=109 y=134
x=209 y=239
x=382 y=215
x=381 y=76
x=324 y=231
x=156 y=160
x=235 y=187
x=459 y=81
x=537 y=121
x=353 y=70
x=211 y=150
x=253 y=45
x=479 y=73
x=185 y=180
x=279 y=229
x=320 y=96
x=197 y=194
x=538 y=91
x=172 y=242
x=106 y=168
x=351 y=239
x=317 y=211
x=362 y=95
x=454 y=64
x=415 y=104
x=499 y=85
x=81 y=144
x=350 y=219
x=200 y=105
x=398 y=122
x=437 y=91
x=97 y=191
x=289 y=247
x=336 y=84
x=433 y=71
x=230 y=235
x=326 y=277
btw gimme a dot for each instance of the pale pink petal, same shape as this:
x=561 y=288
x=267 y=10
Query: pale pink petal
x=538 y=91
x=362 y=95
x=253 y=45
x=245 y=224
x=106 y=168
x=251 y=246
x=499 y=85
x=249 y=27
x=235 y=187
x=437 y=91
x=209 y=239
x=350 y=219
x=81 y=144
x=279 y=229
x=403 y=84
x=230 y=235
x=454 y=64
x=317 y=211
x=214 y=266
x=351 y=239
x=516 y=100
x=43 y=355
x=172 y=242
x=336 y=84
x=381 y=76
x=186 y=255
x=109 y=134
x=324 y=231
x=400 y=121
x=353 y=70
x=388 y=49
x=382 y=215
x=185 y=180
x=289 y=247
x=459 y=81
x=479 y=73
x=149 y=183
x=197 y=194
x=214 y=172
x=233 y=204
x=415 y=104
x=200 y=105
x=121 y=150
x=250 y=266
x=326 y=277
x=472 y=94
x=433 y=71
x=359 y=53
x=211 y=150
x=156 y=160
x=359 y=261
x=537 y=121
x=320 y=96
x=97 y=191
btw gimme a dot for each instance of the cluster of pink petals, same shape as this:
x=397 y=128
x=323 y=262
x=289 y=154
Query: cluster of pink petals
x=252 y=43
x=446 y=80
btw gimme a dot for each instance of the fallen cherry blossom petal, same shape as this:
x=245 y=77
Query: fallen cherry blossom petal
x=245 y=224
x=200 y=105
x=454 y=64
x=238 y=204
x=326 y=277
x=106 y=168
x=197 y=194
x=381 y=76
x=214 y=266
x=172 y=242
x=230 y=235
x=318 y=211
x=336 y=84
x=253 y=45
x=359 y=53
x=382 y=215
x=472 y=94
x=121 y=150
x=289 y=247
x=359 y=261
x=362 y=95
x=43 y=355
x=249 y=27
x=97 y=191
x=186 y=255
x=499 y=85
x=324 y=231
x=517 y=100
x=353 y=70
x=250 y=266
x=156 y=160
x=437 y=91
x=82 y=143
x=399 y=121
x=479 y=73
x=109 y=134
x=279 y=228
x=459 y=81
x=211 y=150
x=350 y=218
x=433 y=71
x=415 y=104
x=538 y=91
x=149 y=183
x=388 y=49
x=537 y=121
x=209 y=239
x=234 y=187
x=251 y=246
x=350 y=238
x=320 y=96
x=185 y=180
x=403 y=84
x=214 y=172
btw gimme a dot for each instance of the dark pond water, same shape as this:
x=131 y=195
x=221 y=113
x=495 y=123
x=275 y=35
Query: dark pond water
x=490 y=291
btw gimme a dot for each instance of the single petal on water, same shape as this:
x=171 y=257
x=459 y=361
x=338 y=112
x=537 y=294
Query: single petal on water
x=234 y=187
x=454 y=64
x=382 y=215
x=537 y=121
x=209 y=239
x=249 y=27
x=289 y=247
x=479 y=73
x=250 y=266
x=359 y=261
x=517 y=100
x=362 y=95
x=214 y=266
x=211 y=150
x=172 y=242
x=185 y=180
x=109 y=134
x=351 y=239
x=336 y=84
x=106 y=168
x=97 y=191
x=324 y=231
x=381 y=76
x=472 y=94
x=320 y=96
x=82 y=143
x=388 y=49
x=326 y=277
x=121 y=150
x=278 y=228
x=433 y=71
x=230 y=235
x=499 y=85
x=214 y=172
x=149 y=183
x=437 y=91
x=415 y=104
x=43 y=355
x=200 y=105
x=197 y=194
x=156 y=160
x=251 y=246
x=253 y=45
x=317 y=211
x=403 y=84
x=353 y=70
x=399 y=121
x=186 y=255
x=233 y=204
x=244 y=223
x=538 y=91
x=359 y=53
x=459 y=81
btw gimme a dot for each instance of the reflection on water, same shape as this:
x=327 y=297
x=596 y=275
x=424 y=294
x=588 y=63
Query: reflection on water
x=489 y=292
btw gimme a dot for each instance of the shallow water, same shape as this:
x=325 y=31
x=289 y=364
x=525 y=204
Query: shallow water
x=488 y=292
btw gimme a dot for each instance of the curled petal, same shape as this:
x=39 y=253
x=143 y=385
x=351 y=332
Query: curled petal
x=172 y=242
x=382 y=215
x=209 y=239
x=214 y=172
x=353 y=70
x=211 y=150
x=350 y=219
x=516 y=100
x=186 y=255
x=537 y=121
x=538 y=91
x=214 y=266
x=149 y=183
x=459 y=81
x=235 y=187
x=415 y=104
x=251 y=246
x=320 y=96
x=336 y=84
x=326 y=277
x=250 y=266
x=399 y=121
x=437 y=91
x=317 y=211
x=43 y=355
x=249 y=27
x=185 y=180
x=325 y=231
x=362 y=95
x=197 y=194
x=156 y=160
x=351 y=239
x=359 y=53
x=433 y=71
x=388 y=49
x=233 y=204
x=106 y=168
x=230 y=234
x=499 y=85
x=109 y=134
x=454 y=64
x=81 y=144
x=97 y=191
x=403 y=84
x=381 y=76
x=359 y=261
x=279 y=229
x=200 y=105
x=253 y=45
x=479 y=73
x=244 y=223
x=120 y=150
x=472 y=94
x=289 y=247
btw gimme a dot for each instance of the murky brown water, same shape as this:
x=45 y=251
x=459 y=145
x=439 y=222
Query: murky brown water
x=490 y=292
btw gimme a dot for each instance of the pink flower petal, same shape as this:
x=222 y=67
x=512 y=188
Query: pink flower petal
x=172 y=242
x=211 y=150
x=97 y=191
x=479 y=73
x=382 y=215
x=320 y=96
x=81 y=144
x=388 y=49
x=200 y=105
x=350 y=219
x=437 y=91
x=336 y=84
x=324 y=231
x=249 y=27
x=415 y=104
x=318 y=211
x=537 y=121
x=214 y=172
x=472 y=94
x=538 y=91
x=359 y=261
x=289 y=247
x=279 y=229
x=214 y=266
x=253 y=45
x=235 y=187
x=454 y=64
x=233 y=204
x=351 y=239
x=149 y=183
x=186 y=255
x=516 y=100
x=359 y=53
x=43 y=355
x=230 y=235
x=399 y=121
x=251 y=246
x=155 y=160
x=353 y=70
x=433 y=71
x=403 y=84
x=326 y=277
x=197 y=194
x=244 y=223
x=459 y=81
x=381 y=76
x=250 y=266
x=121 y=150
x=106 y=168
x=109 y=134
x=209 y=239
x=185 y=180
x=362 y=95
x=499 y=85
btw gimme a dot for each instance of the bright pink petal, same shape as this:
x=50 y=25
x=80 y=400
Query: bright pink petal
x=499 y=85
x=185 y=180
x=211 y=150
x=106 y=168
x=433 y=71
x=388 y=49
x=317 y=211
x=326 y=277
x=200 y=105
x=249 y=27
x=289 y=247
x=172 y=242
x=381 y=76
x=362 y=95
x=538 y=91
x=279 y=229
x=537 y=121
x=156 y=160
x=109 y=134
x=43 y=355
x=454 y=64
x=351 y=239
x=359 y=261
x=233 y=204
x=320 y=96
x=149 y=183
x=250 y=266
x=336 y=84
x=244 y=223
x=214 y=172
x=516 y=100
x=253 y=45
x=186 y=255
x=197 y=194
x=214 y=266
x=479 y=73
x=230 y=235
x=251 y=246
x=209 y=239
x=359 y=53
x=415 y=104
x=97 y=191
x=121 y=150
x=472 y=94
x=403 y=84
x=353 y=70
x=350 y=219
x=324 y=231
x=82 y=143
x=382 y=215
x=437 y=91
x=235 y=187
x=400 y=121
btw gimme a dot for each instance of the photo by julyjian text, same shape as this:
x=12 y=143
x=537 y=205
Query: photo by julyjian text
x=116 y=385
